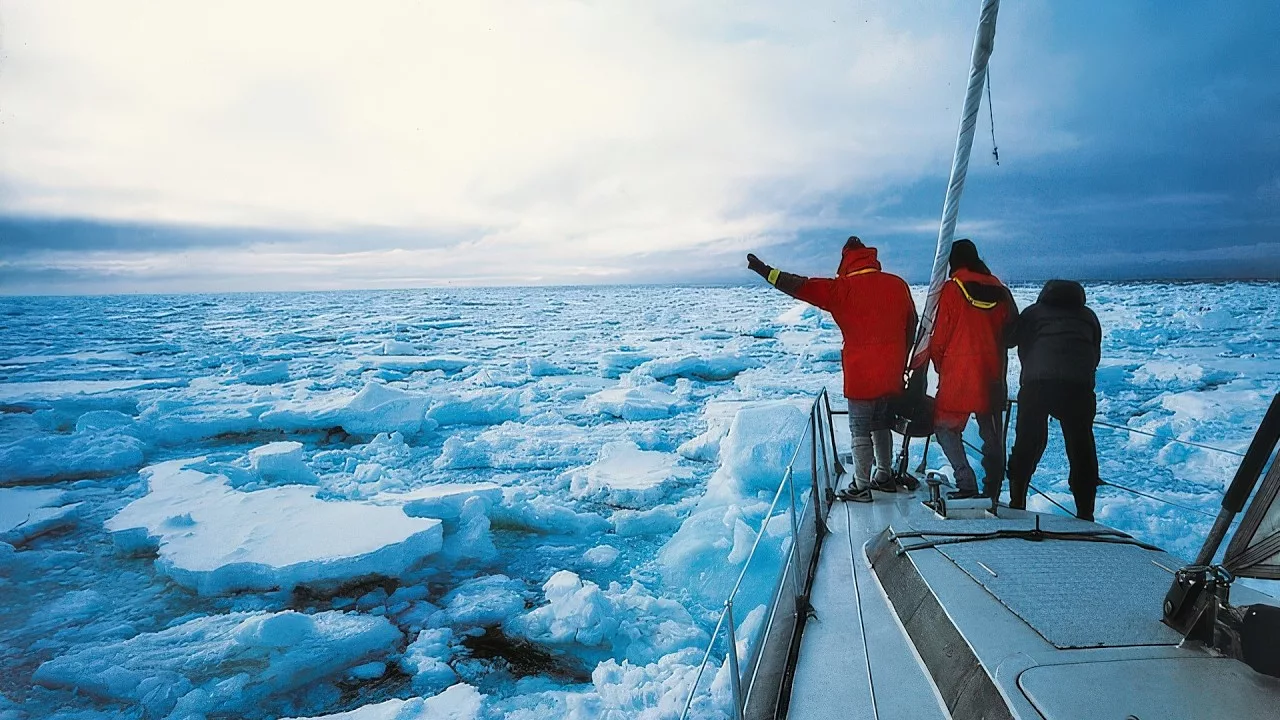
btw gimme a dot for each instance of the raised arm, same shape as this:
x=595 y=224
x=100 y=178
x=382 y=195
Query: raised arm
x=815 y=291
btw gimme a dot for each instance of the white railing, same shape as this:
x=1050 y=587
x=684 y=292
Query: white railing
x=761 y=655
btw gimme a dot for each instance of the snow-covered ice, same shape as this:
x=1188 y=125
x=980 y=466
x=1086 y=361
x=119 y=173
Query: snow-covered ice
x=648 y=402
x=628 y=477
x=216 y=539
x=220 y=663
x=519 y=503
x=28 y=512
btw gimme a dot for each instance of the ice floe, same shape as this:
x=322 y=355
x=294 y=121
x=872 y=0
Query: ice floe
x=625 y=476
x=711 y=368
x=648 y=402
x=221 y=664
x=459 y=702
x=282 y=463
x=480 y=407
x=414 y=363
x=28 y=512
x=86 y=453
x=215 y=539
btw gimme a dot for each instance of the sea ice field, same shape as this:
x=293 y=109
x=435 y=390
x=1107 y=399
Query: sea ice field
x=476 y=503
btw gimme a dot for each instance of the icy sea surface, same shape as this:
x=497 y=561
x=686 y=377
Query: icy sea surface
x=474 y=503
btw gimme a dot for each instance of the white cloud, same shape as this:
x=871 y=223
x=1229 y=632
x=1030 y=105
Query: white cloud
x=557 y=137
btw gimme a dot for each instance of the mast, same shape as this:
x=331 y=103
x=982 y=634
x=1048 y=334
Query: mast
x=983 y=43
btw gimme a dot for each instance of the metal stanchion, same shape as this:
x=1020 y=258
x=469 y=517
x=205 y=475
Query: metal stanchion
x=735 y=681
x=795 y=537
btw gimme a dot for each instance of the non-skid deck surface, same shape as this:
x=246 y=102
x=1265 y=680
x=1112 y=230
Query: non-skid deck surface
x=1065 y=590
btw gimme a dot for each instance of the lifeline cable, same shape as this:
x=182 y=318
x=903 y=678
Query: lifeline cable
x=1153 y=497
x=1166 y=437
x=1180 y=441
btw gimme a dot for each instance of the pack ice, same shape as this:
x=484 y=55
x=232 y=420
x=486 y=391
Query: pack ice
x=215 y=539
x=222 y=664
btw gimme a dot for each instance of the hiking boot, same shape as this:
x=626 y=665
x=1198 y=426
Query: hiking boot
x=855 y=495
x=963 y=494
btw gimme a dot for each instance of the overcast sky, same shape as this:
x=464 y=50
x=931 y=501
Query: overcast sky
x=180 y=146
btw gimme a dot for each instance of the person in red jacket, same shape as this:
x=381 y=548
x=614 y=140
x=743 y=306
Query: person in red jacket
x=877 y=317
x=969 y=350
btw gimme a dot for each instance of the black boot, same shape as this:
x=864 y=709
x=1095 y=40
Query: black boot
x=1085 y=499
x=1017 y=493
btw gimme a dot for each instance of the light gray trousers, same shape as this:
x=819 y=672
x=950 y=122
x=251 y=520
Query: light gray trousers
x=872 y=440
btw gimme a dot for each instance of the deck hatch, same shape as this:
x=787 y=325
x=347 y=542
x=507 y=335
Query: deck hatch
x=1054 y=586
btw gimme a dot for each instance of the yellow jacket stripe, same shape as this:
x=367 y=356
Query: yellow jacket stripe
x=976 y=303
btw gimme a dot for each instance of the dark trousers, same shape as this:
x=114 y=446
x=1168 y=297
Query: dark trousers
x=1074 y=406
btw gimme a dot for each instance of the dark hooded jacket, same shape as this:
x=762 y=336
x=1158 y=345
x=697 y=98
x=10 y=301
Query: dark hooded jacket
x=1058 y=337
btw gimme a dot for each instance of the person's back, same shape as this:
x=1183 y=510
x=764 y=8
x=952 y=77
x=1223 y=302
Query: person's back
x=969 y=349
x=1058 y=337
x=876 y=316
x=877 y=319
x=975 y=313
x=1059 y=342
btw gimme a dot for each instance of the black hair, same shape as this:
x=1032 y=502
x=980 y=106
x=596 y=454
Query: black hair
x=964 y=254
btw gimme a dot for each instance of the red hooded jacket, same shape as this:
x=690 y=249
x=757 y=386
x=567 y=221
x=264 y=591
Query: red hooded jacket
x=877 y=318
x=969 y=347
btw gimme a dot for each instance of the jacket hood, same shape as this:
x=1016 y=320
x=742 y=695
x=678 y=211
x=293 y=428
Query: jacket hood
x=1062 y=293
x=855 y=259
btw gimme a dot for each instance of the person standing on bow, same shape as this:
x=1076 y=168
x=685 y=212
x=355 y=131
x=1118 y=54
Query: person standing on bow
x=877 y=318
x=969 y=350
x=1059 y=342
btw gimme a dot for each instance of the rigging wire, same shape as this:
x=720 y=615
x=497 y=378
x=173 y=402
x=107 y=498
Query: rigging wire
x=1106 y=483
x=991 y=113
x=1166 y=437
x=1139 y=493
x=1045 y=495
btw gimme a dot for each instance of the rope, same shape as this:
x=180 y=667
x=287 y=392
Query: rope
x=995 y=151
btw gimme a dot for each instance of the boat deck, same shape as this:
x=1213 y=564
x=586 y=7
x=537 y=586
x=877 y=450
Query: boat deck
x=831 y=680
x=1029 y=623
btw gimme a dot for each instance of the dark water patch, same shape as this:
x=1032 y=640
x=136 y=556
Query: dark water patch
x=524 y=659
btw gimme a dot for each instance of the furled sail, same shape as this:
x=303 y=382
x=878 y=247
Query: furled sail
x=983 y=43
